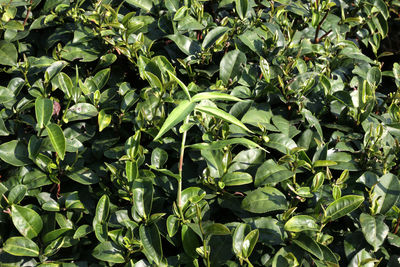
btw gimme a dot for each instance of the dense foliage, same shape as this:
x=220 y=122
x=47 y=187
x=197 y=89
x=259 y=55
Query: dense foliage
x=199 y=133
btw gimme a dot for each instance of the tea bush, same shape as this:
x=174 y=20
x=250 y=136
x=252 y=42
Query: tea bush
x=199 y=133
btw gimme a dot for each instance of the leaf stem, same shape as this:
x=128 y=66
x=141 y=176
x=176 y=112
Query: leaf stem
x=316 y=39
x=179 y=194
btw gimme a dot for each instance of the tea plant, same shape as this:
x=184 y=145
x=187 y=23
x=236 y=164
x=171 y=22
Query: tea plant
x=199 y=133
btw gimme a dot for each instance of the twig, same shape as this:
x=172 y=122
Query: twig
x=323 y=36
x=28 y=13
x=316 y=39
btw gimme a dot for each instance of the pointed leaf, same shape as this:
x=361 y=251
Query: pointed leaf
x=104 y=120
x=343 y=206
x=214 y=95
x=213 y=35
x=264 y=200
x=57 y=139
x=26 y=220
x=219 y=113
x=177 y=115
x=14 y=153
x=249 y=243
x=151 y=241
x=241 y=8
x=387 y=191
x=181 y=84
x=43 y=111
x=230 y=66
x=8 y=54
x=21 y=246
x=301 y=223
x=374 y=229
x=108 y=251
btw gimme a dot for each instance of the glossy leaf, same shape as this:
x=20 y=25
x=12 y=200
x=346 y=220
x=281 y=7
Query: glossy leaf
x=231 y=65
x=264 y=199
x=219 y=113
x=151 y=241
x=26 y=220
x=21 y=246
x=301 y=223
x=342 y=206
x=213 y=35
x=8 y=53
x=108 y=251
x=15 y=153
x=387 y=192
x=177 y=115
x=43 y=111
x=374 y=229
x=57 y=139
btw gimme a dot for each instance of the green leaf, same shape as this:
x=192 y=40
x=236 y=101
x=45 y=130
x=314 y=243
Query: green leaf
x=14 y=153
x=26 y=220
x=250 y=242
x=108 y=251
x=281 y=142
x=342 y=206
x=82 y=231
x=231 y=66
x=57 y=139
x=301 y=223
x=81 y=111
x=382 y=7
x=147 y=5
x=101 y=78
x=68 y=87
x=151 y=241
x=374 y=76
x=3 y=128
x=190 y=241
x=181 y=84
x=214 y=95
x=220 y=144
x=309 y=245
x=83 y=176
x=17 y=193
x=21 y=246
x=8 y=54
x=191 y=195
x=53 y=70
x=374 y=229
x=387 y=192
x=236 y=178
x=264 y=200
x=172 y=225
x=241 y=8
x=213 y=35
x=270 y=172
x=102 y=209
x=177 y=115
x=219 y=113
x=43 y=111
x=100 y=221
x=238 y=238
x=158 y=157
x=131 y=170
x=143 y=197
x=313 y=122
x=104 y=120
x=216 y=229
x=185 y=44
x=324 y=163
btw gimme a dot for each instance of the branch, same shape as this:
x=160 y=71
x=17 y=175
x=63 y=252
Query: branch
x=316 y=39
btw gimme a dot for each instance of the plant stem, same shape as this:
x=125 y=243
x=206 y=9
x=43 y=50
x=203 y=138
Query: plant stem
x=179 y=195
x=316 y=39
